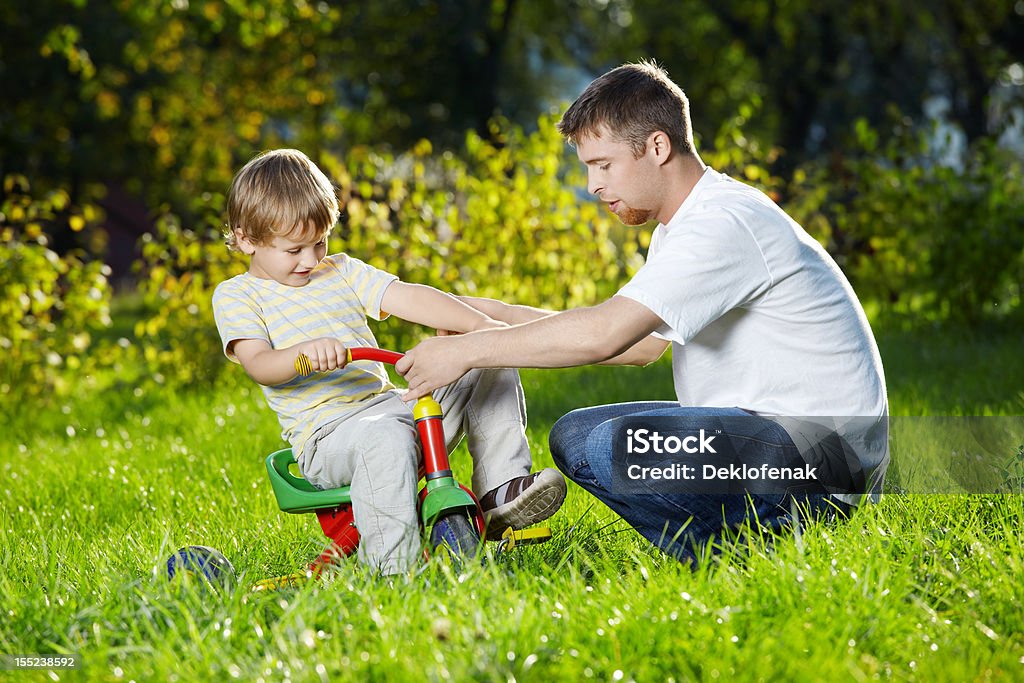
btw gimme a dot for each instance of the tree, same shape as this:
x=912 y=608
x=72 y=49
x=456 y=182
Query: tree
x=813 y=68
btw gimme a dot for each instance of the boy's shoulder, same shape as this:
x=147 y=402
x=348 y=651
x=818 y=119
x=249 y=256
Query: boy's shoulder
x=233 y=285
x=338 y=259
x=350 y=266
x=342 y=259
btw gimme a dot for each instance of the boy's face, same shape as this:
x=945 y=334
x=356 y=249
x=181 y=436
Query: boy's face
x=289 y=260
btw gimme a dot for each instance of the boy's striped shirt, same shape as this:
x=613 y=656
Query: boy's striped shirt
x=342 y=292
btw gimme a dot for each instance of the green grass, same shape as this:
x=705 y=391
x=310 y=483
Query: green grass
x=96 y=494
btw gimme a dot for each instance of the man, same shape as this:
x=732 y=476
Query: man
x=772 y=354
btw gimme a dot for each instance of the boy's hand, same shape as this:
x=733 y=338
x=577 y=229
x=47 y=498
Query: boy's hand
x=324 y=354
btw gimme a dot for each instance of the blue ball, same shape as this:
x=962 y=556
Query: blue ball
x=203 y=562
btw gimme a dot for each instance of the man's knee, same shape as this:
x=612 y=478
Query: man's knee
x=566 y=441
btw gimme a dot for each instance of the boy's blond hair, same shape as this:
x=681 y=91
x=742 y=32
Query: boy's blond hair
x=279 y=193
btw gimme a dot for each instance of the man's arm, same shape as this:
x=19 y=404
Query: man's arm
x=424 y=305
x=578 y=337
x=644 y=352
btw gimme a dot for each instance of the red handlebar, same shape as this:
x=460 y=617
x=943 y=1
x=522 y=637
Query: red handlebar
x=370 y=353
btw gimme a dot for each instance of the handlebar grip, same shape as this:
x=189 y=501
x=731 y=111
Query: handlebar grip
x=304 y=367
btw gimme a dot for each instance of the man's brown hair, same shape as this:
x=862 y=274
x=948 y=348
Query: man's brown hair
x=278 y=193
x=631 y=102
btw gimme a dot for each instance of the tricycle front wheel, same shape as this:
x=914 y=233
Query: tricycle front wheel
x=456 y=536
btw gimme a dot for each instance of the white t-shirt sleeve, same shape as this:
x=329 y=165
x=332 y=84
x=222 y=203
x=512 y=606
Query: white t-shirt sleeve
x=699 y=271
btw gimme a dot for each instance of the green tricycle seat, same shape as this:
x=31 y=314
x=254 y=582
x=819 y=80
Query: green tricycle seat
x=295 y=494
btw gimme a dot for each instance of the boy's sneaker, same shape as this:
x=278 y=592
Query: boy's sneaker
x=523 y=501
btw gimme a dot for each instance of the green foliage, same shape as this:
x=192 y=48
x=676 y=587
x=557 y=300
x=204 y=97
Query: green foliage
x=49 y=304
x=180 y=269
x=820 y=66
x=466 y=224
x=921 y=238
x=733 y=151
x=507 y=218
x=168 y=99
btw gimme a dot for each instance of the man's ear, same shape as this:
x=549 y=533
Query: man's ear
x=659 y=145
x=247 y=246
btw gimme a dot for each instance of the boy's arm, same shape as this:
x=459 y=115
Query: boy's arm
x=424 y=305
x=506 y=313
x=270 y=366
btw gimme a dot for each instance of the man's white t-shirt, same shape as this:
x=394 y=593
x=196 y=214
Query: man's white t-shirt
x=761 y=318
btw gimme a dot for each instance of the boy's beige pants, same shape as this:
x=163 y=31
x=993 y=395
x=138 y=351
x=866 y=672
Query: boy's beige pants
x=375 y=450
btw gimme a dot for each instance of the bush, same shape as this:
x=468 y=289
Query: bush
x=925 y=241
x=50 y=305
x=180 y=268
x=506 y=220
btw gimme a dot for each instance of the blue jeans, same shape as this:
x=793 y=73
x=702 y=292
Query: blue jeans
x=678 y=523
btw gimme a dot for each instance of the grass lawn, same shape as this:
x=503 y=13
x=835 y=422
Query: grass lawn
x=97 y=493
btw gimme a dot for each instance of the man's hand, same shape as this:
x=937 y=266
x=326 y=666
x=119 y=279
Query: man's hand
x=432 y=364
x=326 y=353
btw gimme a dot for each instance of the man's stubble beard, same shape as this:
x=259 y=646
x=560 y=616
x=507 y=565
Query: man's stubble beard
x=631 y=216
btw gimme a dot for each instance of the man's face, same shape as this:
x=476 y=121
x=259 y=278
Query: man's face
x=289 y=260
x=626 y=184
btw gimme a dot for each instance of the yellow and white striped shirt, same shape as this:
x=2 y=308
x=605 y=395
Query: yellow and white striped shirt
x=342 y=292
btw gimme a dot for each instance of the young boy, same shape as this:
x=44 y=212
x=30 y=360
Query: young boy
x=348 y=424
